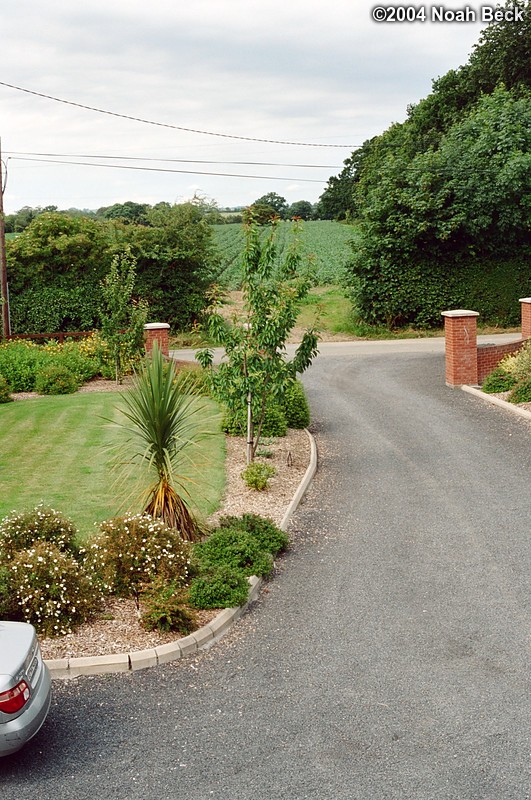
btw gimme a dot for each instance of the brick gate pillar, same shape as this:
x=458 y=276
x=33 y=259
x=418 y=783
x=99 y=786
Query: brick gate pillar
x=460 y=331
x=157 y=332
x=525 y=305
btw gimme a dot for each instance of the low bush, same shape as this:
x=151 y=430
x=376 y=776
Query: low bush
x=18 y=364
x=296 y=408
x=257 y=475
x=192 y=380
x=521 y=392
x=235 y=548
x=20 y=531
x=55 y=379
x=165 y=608
x=8 y=604
x=52 y=590
x=131 y=551
x=267 y=534
x=498 y=381
x=219 y=586
x=5 y=391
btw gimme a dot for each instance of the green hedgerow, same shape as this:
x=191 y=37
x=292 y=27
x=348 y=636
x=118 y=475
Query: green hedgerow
x=257 y=475
x=165 y=608
x=20 y=531
x=296 y=408
x=498 y=381
x=219 y=586
x=5 y=390
x=237 y=549
x=55 y=379
x=521 y=392
x=268 y=535
x=52 y=590
x=131 y=551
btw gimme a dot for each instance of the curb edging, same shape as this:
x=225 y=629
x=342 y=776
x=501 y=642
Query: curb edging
x=497 y=401
x=202 y=639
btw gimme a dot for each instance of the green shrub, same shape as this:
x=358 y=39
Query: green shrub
x=498 y=381
x=73 y=355
x=235 y=548
x=131 y=551
x=164 y=609
x=8 y=604
x=5 y=391
x=18 y=364
x=20 y=531
x=219 y=587
x=267 y=534
x=55 y=379
x=192 y=380
x=296 y=408
x=235 y=424
x=52 y=590
x=521 y=392
x=519 y=364
x=257 y=475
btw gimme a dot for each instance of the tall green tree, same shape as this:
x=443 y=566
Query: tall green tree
x=123 y=316
x=257 y=371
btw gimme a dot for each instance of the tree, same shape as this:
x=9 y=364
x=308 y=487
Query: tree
x=302 y=209
x=275 y=201
x=165 y=428
x=257 y=372
x=122 y=316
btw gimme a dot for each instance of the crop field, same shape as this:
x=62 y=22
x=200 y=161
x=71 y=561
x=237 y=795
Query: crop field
x=325 y=243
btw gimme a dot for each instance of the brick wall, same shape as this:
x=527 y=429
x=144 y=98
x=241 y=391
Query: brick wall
x=490 y=355
x=157 y=332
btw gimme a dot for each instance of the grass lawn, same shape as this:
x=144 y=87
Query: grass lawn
x=58 y=450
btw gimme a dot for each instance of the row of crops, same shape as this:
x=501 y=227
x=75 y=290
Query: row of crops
x=327 y=243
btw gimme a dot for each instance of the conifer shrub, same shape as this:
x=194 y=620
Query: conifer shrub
x=220 y=586
x=498 y=381
x=268 y=535
x=235 y=548
x=165 y=608
x=521 y=392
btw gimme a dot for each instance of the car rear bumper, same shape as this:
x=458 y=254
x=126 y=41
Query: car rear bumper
x=15 y=733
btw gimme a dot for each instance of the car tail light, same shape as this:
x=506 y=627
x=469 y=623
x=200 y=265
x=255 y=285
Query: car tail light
x=14 y=699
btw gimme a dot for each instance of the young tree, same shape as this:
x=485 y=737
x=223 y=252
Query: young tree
x=122 y=316
x=256 y=371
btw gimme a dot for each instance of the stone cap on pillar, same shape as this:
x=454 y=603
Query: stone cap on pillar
x=525 y=300
x=460 y=312
x=156 y=326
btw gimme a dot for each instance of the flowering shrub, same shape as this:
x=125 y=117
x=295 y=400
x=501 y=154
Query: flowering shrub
x=51 y=589
x=20 y=531
x=131 y=551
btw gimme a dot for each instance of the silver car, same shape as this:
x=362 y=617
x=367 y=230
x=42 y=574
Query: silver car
x=25 y=686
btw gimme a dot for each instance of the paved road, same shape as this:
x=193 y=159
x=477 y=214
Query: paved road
x=388 y=659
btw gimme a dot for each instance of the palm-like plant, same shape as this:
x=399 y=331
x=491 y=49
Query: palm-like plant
x=166 y=428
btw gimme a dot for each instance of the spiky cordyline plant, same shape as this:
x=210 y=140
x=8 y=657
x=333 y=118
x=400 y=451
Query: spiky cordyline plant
x=166 y=429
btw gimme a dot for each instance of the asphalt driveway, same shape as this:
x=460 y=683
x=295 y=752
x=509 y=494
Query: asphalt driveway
x=389 y=658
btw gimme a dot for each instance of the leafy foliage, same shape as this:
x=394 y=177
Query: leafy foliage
x=257 y=475
x=268 y=535
x=165 y=608
x=55 y=379
x=256 y=371
x=5 y=391
x=235 y=548
x=296 y=408
x=498 y=381
x=122 y=316
x=19 y=531
x=219 y=586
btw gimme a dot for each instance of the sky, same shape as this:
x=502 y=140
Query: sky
x=214 y=75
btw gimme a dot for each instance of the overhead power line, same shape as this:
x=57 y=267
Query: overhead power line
x=161 y=169
x=175 y=160
x=168 y=125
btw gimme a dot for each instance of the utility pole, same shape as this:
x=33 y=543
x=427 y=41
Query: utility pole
x=4 y=299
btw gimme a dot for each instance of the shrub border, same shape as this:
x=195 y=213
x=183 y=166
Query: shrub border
x=202 y=639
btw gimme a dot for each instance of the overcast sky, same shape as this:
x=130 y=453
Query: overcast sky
x=307 y=72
